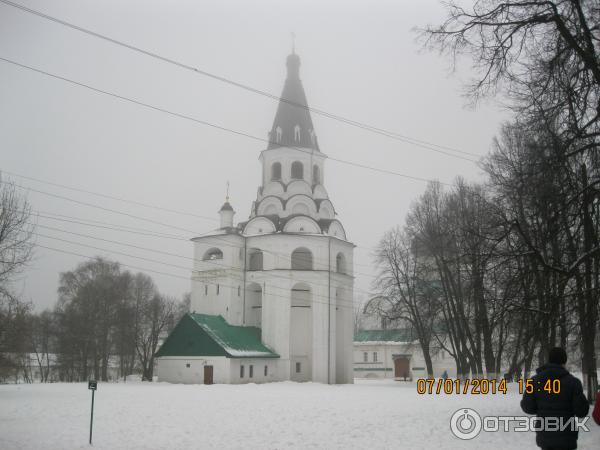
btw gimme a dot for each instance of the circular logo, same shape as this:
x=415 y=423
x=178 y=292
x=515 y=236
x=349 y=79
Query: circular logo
x=465 y=424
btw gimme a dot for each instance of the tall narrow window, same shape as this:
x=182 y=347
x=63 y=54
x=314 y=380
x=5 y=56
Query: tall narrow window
x=340 y=263
x=297 y=133
x=206 y=289
x=239 y=290
x=365 y=357
x=297 y=170
x=298 y=367
x=255 y=259
x=241 y=371
x=251 y=371
x=218 y=289
x=266 y=370
x=278 y=135
x=276 y=171
x=374 y=356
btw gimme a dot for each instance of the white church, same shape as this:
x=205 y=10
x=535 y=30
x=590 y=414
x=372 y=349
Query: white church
x=272 y=295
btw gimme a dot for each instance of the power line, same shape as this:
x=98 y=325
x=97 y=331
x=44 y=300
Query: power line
x=397 y=136
x=133 y=202
x=212 y=125
x=226 y=243
x=119 y=199
x=339 y=302
x=213 y=262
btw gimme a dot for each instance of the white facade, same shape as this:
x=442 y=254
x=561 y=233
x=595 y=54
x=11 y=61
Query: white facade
x=190 y=370
x=378 y=360
x=288 y=269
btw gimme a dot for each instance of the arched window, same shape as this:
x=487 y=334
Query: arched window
x=297 y=170
x=316 y=175
x=255 y=259
x=302 y=259
x=276 y=171
x=278 y=135
x=297 y=133
x=340 y=263
x=212 y=254
x=313 y=137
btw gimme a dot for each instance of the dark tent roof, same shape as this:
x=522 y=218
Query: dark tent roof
x=292 y=111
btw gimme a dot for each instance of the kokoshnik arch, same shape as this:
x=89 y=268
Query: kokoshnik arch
x=272 y=295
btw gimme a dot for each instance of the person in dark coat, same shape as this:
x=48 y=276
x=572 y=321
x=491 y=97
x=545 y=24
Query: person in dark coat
x=567 y=403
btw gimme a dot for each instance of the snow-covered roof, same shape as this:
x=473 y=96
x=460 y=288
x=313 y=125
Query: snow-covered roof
x=385 y=337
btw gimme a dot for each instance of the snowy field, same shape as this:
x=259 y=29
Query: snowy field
x=369 y=414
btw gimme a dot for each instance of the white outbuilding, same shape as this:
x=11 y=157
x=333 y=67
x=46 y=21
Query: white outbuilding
x=272 y=295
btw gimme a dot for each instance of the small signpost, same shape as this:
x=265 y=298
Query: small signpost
x=92 y=385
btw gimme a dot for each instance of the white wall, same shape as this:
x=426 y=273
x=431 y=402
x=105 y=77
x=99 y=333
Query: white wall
x=174 y=369
x=258 y=371
x=441 y=360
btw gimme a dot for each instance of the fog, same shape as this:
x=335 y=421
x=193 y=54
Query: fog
x=360 y=60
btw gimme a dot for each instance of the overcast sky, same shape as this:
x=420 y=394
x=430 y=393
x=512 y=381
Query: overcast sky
x=359 y=60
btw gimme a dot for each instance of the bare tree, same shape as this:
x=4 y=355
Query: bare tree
x=153 y=317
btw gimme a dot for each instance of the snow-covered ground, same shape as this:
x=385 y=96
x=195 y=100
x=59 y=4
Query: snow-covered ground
x=368 y=414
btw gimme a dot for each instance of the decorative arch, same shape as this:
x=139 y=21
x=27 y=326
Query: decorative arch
x=270 y=210
x=302 y=224
x=212 y=254
x=273 y=188
x=309 y=209
x=300 y=208
x=259 y=225
x=276 y=171
x=298 y=187
x=336 y=229
x=265 y=202
x=297 y=172
x=302 y=259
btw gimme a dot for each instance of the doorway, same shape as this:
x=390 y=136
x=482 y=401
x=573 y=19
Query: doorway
x=208 y=374
x=402 y=367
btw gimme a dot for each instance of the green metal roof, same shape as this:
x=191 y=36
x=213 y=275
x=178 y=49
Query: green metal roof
x=392 y=335
x=204 y=335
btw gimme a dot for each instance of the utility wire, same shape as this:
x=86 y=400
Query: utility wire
x=122 y=200
x=195 y=233
x=212 y=125
x=98 y=194
x=212 y=262
x=397 y=136
x=339 y=302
